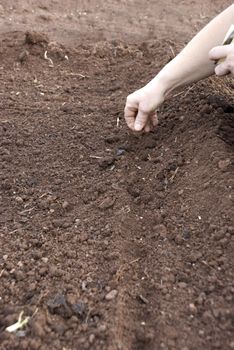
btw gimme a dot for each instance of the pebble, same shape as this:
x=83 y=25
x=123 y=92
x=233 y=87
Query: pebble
x=65 y=205
x=107 y=203
x=157 y=218
x=111 y=295
x=182 y=285
x=91 y=338
x=43 y=271
x=23 y=56
x=102 y=328
x=120 y=152
x=179 y=240
x=55 y=272
x=19 y=275
x=161 y=230
x=194 y=257
x=207 y=316
x=106 y=162
x=201 y=298
x=19 y=199
x=192 y=308
x=224 y=164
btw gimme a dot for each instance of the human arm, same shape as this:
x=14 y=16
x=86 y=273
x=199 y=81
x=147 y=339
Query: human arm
x=190 y=65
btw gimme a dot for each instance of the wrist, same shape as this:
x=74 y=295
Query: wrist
x=162 y=83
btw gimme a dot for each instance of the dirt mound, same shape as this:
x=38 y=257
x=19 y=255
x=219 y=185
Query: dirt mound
x=108 y=240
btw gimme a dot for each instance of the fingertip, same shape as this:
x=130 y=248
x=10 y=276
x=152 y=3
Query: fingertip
x=138 y=127
x=154 y=120
x=212 y=53
x=147 y=128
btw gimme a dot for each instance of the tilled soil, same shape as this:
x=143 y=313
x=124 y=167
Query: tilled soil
x=111 y=240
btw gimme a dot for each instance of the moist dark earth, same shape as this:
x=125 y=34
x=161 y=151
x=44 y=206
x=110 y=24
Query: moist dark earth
x=110 y=240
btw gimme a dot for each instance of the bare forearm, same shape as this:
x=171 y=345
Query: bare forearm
x=193 y=63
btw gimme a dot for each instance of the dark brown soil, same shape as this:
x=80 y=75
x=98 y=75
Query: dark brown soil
x=111 y=240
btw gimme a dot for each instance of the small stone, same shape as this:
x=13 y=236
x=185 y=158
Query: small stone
x=83 y=237
x=201 y=298
x=43 y=271
x=194 y=257
x=107 y=203
x=231 y=345
x=179 y=240
x=192 y=308
x=55 y=272
x=186 y=234
x=23 y=56
x=106 y=162
x=65 y=205
x=19 y=275
x=91 y=338
x=224 y=164
x=182 y=285
x=45 y=260
x=120 y=152
x=157 y=218
x=33 y=38
x=111 y=295
x=207 y=316
x=19 y=199
x=102 y=328
x=79 y=309
x=161 y=230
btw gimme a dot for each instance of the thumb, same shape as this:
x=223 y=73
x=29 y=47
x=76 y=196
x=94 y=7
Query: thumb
x=141 y=120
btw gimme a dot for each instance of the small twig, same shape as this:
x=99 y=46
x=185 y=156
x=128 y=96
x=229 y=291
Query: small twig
x=95 y=157
x=13 y=231
x=48 y=59
x=123 y=267
x=142 y=299
x=174 y=175
x=185 y=92
x=26 y=211
x=118 y=122
x=172 y=51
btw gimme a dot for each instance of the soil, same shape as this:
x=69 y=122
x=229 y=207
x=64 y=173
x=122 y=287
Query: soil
x=111 y=240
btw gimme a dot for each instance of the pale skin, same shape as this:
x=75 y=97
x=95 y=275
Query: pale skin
x=198 y=60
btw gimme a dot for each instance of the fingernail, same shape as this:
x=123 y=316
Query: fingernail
x=138 y=127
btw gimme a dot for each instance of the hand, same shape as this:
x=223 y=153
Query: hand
x=226 y=54
x=140 y=109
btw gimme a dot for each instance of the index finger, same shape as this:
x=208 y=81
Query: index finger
x=219 y=52
x=130 y=116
